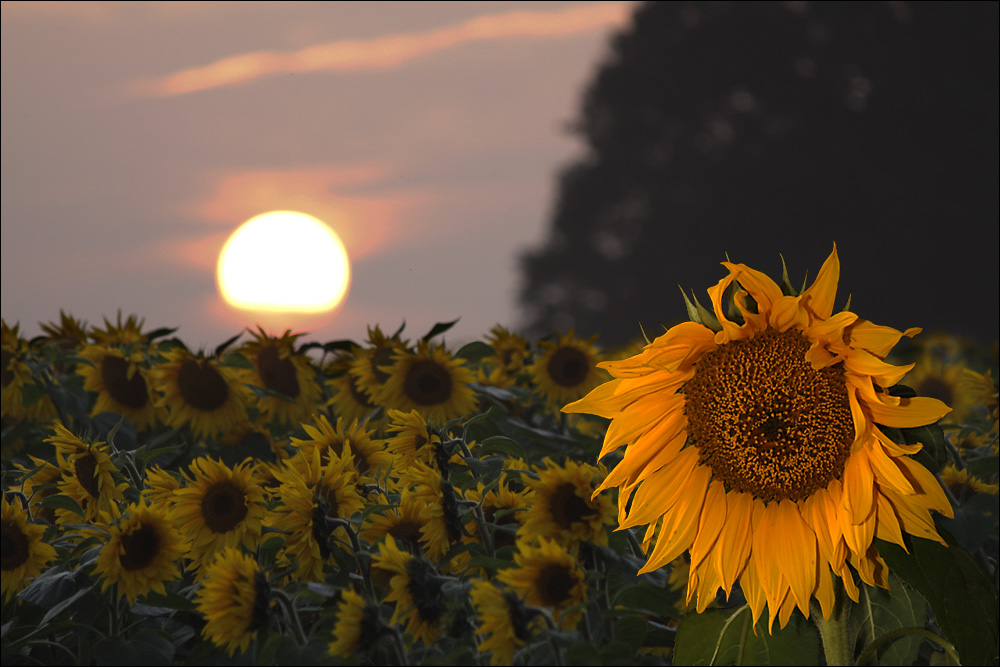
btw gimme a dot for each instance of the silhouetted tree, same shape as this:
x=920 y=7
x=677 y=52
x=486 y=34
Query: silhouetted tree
x=758 y=128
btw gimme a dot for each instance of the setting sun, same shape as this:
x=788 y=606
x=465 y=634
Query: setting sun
x=284 y=262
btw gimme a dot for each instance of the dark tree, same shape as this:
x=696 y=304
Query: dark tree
x=758 y=128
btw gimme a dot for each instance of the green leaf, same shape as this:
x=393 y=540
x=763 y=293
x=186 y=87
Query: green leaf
x=237 y=360
x=31 y=393
x=503 y=445
x=960 y=594
x=147 y=647
x=726 y=637
x=475 y=351
x=632 y=630
x=881 y=611
x=62 y=501
x=222 y=348
x=647 y=599
x=439 y=329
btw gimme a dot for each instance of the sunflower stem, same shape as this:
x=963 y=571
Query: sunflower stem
x=291 y=615
x=835 y=631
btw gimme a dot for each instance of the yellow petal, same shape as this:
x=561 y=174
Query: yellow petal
x=916 y=520
x=824 y=590
x=821 y=294
x=795 y=551
x=765 y=546
x=887 y=526
x=730 y=330
x=887 y=470
x=866 y=363
x=931 y=495
x=601 y=401
x=753 y=591
x=662 y=489
x=680 y=525
x=859 y=486
x=654 y=449
x=786 y=314
x=878 y=340
x=713 y=517
x=642 y=415
x=733 y=547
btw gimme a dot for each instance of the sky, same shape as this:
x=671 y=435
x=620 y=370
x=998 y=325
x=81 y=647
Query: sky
x=136 y=137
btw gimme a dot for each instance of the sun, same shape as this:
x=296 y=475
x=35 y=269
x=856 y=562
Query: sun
x=284 y=262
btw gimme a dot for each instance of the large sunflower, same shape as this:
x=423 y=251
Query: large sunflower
x=429 y=381
x=368 y=455
x=24 y=553
x=278 y=368
x=758 y=447
x=142 y=553
x=201 y=393
x=349 y=401
x=233 y=599
x=503 y=621
x=121 y=383
x=220 y=507
x=415 y=587
x=358 y=626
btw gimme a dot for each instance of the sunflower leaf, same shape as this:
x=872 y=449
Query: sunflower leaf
x=960 y=594
x=881 y=612
x=63 y=502
x=786 y=282
x=504 y=445
x=222 y=348
x=475 y=351
x=438 y=329
x=726 y=637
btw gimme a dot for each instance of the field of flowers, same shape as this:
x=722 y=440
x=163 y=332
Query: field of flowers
x=758 y=485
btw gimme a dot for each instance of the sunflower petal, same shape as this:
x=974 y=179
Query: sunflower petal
x=821 y=294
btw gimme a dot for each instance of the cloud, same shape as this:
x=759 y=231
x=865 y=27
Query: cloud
x=386 y=52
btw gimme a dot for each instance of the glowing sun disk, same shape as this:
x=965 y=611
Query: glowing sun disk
x=284 y=261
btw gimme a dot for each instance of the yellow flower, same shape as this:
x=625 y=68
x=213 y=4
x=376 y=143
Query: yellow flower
x=40 y=486
x=142 y=553
x=548 y=575
x=563 y=506
x=349 y=401
x=310 y=493
x=501 y=507
x=566 y=369
x=368 y=456
x=502 y=619
x=963 y=485
x=24 y=553
x=416 y=590
x=200 y=393
x=429 y=381
x=233 y=599
x=511 y=354
x=121 y=333
x=220 y=507
x=277 y=367
x=160 y=487
x=358 y=626
x=757 y=446
x=943 y=381
x=367 y=366
x=16 y=377
x=412 y=440
x=88 y=474
x=121 y=382
x=69 y=334
x=443 y=527
x=404 y=522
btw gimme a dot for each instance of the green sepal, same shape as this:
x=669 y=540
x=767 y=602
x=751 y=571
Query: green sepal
x=698 y=313
x=786 y=283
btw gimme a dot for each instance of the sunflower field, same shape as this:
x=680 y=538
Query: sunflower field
x=768 y=482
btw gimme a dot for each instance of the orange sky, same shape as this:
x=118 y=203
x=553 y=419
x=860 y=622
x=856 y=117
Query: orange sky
x=137 y=136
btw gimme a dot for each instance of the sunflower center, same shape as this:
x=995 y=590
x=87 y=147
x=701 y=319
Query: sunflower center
x=201 y=385
x=277 y=373
x=130 y=392
x=140 y=548
x=85 y=468
x=765 y=421
x=555 y=583
x=223 y=507
x=427 y=383
x=567 y=507
x=406 y=530
x=16 y=548
x=425 y=588
x=568 y=367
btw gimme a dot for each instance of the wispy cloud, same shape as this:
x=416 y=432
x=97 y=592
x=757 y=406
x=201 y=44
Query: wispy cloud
x=386 y=52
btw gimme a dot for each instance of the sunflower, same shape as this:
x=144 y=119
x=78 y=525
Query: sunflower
x=566 y=369
x=963 y=485
x=367 y=366
x=429 y=381
x=201 y=393
x=40 y=486
x=563 y=506
x=358 y=626
x=310 y=493
x=122 y=333
x=416 y=590
x=757 y=445
x=17 y=379
x=160 y=487
x=369 y=456
x=219 y=507
x=121 y=382
x=501 y=507
x=278 y=368
x=89 y=476
x=443 y=527
x=233 y=599
x=503 y=620
x=142 y=553
x=404 y=521
x=548 y=575
x=511 y=353
x=349 y=401
x=943 y=381
x=411 y=440
x=24 y=553
x=69 y=334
